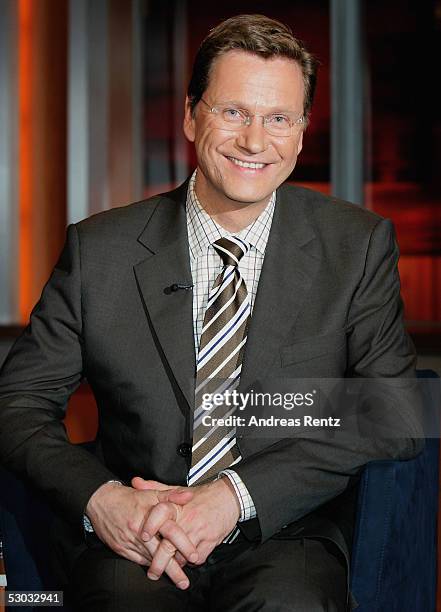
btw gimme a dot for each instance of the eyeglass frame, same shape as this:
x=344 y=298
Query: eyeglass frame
x=301 y=120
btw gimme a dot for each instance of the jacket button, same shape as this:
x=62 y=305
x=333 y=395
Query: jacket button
x=184 y=449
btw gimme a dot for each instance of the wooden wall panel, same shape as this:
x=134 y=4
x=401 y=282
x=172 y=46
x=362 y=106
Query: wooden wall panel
x=42 y=138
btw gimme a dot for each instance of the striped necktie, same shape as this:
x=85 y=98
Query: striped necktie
x=219 y=364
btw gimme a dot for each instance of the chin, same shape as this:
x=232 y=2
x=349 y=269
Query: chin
x=248 y=196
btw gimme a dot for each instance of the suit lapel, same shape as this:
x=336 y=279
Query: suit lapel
x=291 y=262
x=170 y=313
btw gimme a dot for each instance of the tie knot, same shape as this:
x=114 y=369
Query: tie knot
x=231 y=250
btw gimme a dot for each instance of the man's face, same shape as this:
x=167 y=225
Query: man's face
x=259 y=86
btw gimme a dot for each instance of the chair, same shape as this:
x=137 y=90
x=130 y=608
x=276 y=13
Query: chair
x=394 y=555
x=395 y=541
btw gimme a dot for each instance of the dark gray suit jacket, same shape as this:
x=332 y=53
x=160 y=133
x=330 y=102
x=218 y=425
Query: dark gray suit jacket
x=328 y=305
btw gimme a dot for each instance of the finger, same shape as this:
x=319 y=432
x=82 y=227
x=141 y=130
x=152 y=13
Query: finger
x=182 y=496
x=204 y=549
x=148 y=485
x=163 y=561
x=175 y=573
x=151 y=547
x=162 y=557
x=124 y=544
x=180 y=560
x=174 y=534
x=137 y=558
x=159 y=514
x=133 y=554
x=173 y=569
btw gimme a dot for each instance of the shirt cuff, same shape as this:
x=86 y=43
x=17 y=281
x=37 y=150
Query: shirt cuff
x=247 y=507
x=87 y=525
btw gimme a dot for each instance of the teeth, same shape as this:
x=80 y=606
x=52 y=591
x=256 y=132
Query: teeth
x=243 y=164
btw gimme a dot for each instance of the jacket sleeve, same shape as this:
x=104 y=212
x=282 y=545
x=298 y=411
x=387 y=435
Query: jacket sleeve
x=42 y=370
x=293 y=477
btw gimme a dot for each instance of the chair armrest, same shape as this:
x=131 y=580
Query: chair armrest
x=393 y=564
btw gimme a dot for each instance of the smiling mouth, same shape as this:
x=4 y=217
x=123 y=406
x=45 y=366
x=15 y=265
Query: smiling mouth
x=243 y=164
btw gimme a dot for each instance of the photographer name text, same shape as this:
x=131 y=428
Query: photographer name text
x=271 y=421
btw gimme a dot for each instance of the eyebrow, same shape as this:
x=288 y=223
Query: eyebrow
x=245 y=107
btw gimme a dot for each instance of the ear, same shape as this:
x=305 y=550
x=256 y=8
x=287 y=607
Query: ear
x=300 y=143
x=189 y=124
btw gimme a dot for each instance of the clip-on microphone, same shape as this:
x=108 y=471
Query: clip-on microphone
x=177 y=287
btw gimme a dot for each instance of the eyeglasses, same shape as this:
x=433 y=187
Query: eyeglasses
x=229 y=117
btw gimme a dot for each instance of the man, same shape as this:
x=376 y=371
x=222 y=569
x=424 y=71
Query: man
x=232 y=276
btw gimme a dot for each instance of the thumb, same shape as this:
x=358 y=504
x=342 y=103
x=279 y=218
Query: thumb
x=174 y=496
x=148 y=485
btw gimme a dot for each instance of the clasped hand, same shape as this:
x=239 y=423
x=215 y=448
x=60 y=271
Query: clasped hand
x=164 y=527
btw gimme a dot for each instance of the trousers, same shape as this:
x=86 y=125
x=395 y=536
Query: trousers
x=302 y=575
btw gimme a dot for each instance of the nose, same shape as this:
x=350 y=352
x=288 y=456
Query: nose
x=253 y=137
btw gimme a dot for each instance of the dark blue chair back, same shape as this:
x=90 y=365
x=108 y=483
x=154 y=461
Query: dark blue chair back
x=394 y=555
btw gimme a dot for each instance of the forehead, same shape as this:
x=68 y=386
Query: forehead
x=253 y=80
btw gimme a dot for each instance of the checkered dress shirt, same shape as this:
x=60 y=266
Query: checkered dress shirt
x=206 y=264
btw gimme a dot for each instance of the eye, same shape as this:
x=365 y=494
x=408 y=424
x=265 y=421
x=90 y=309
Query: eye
x=232 y=114
x=279 y=120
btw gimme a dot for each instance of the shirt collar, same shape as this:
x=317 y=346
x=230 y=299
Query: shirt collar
x=203 y=230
